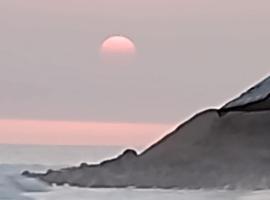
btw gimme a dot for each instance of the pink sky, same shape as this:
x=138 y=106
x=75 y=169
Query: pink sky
x=80 y=133
x=51 y=71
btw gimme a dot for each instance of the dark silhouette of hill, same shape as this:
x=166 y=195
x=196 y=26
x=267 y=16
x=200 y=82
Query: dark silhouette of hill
x=217 y=148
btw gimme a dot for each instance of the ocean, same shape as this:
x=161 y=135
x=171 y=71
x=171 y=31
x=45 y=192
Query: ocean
x=16 y=158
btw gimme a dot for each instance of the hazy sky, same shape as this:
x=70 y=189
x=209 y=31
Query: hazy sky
x=191 y=55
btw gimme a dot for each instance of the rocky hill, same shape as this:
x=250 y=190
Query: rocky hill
x=218 y=148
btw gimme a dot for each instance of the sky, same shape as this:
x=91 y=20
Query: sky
x=190 y=55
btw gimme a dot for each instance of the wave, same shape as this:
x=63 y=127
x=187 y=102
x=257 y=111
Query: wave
x=13 y=185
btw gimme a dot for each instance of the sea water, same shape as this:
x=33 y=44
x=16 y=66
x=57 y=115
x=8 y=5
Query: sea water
x=16 y=158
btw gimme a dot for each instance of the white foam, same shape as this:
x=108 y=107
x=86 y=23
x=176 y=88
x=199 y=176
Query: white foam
x=12 y=184
x=38 y=159
x=69 y=193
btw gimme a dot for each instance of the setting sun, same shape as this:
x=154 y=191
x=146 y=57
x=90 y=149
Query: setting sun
x=116 y=45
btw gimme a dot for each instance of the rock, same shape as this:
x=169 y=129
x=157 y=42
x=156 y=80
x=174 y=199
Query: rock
x=211 y=150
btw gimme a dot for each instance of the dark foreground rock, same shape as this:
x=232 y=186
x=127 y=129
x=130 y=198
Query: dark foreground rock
x=211 y=150
x=208 y=151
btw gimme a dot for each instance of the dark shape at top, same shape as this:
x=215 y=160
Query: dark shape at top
x=256 y=98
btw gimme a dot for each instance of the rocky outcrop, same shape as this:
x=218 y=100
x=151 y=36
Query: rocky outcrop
x=257 y=98
x=208 y=151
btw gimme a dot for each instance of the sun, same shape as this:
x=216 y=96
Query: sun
x=118 y=51
x=118 y=45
